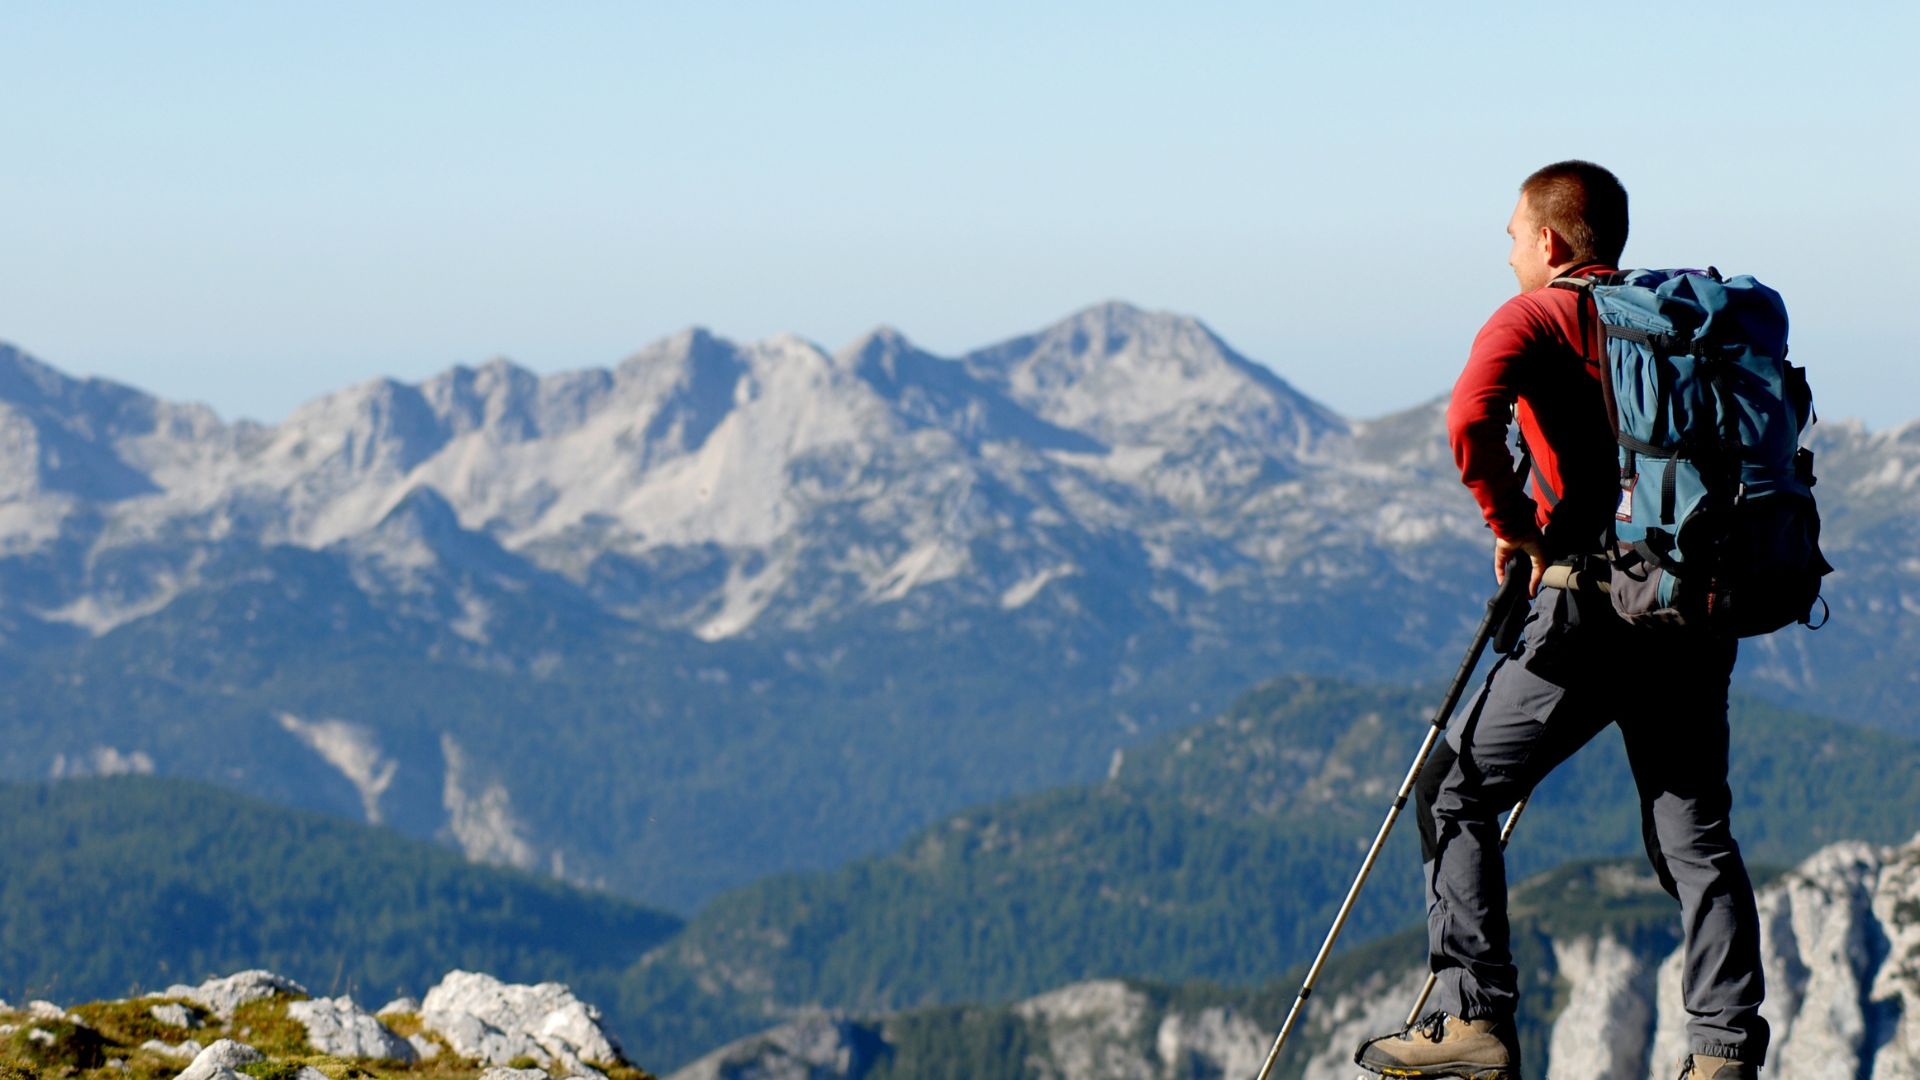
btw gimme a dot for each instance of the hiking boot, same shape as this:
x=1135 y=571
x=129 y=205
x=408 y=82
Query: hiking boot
x=1443 y=1045
x=1702 y=1067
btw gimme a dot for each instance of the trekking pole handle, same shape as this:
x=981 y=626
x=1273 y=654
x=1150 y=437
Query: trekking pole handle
x=1562 y=576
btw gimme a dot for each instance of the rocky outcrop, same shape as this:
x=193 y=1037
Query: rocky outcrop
x=174 y=1014
x=1211 y=1042
x=487 y=1020
x=338 y=1027
x=472 y=1025
x=1608 y=1019
x=185 y=1050
x=1093 y=1029
x=221 y=996
x=814 y=1047
x=1841 y=943
x=221 y=1061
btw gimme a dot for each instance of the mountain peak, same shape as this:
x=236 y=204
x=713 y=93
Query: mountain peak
x=876 y=356
x=879 y=341
x=1126 y=375
x=1122 y=313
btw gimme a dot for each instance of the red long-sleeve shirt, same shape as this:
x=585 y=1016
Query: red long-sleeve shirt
x=1540 y=351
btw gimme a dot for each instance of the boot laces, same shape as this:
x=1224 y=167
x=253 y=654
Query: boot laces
x=1434 y=1027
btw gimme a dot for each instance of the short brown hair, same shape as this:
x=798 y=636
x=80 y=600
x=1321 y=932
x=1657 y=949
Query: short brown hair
x=1585 y=204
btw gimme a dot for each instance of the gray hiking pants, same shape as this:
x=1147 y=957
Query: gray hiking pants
x=1575 y=669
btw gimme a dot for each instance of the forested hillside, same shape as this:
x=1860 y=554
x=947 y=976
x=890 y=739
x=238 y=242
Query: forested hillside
x=1215 y=853
x=108 y=886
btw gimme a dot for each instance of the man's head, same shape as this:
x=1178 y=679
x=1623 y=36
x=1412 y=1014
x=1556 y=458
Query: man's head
x=1569 y=214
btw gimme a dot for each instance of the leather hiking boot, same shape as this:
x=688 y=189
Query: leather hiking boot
x=1443 y=1045
x=1702 y=1067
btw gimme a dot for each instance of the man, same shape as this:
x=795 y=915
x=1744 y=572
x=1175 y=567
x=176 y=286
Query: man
x=1574 y=668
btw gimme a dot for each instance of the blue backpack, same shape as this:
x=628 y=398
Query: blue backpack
x=1716 y=525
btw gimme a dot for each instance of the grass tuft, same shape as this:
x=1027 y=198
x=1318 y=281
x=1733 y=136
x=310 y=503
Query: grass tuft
x=57 y=1045
x=265 y=1026
x=131 y=1023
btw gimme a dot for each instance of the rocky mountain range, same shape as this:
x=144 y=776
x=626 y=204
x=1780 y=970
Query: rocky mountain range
x=1840 y=940
x=726 y=608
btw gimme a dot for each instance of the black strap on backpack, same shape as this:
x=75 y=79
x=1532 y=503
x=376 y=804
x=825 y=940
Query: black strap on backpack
x=1530 y=466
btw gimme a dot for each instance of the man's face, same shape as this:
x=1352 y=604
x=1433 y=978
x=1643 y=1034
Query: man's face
x=1530 y=257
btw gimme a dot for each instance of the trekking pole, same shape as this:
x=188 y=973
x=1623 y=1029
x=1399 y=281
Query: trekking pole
x=1514 y=587
x=1433 y=977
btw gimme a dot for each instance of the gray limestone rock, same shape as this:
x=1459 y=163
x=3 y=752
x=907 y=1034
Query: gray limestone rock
x=1607 y=1022
x=813 y=1048
x=424 y=1048
x=1894 y=995
x=1377 y=1006
x=494 y=1022
x=338 y=1027
x=399 y=1006
x=1211 y=1042
x=174 y=1014
x=1093 y=1029
x=222 y=996
x=221 y=1061
x=186 y=1051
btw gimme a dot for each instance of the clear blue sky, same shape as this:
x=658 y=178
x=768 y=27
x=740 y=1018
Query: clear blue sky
x=254 y=204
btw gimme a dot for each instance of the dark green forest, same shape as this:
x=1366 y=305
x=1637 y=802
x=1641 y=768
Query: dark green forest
x=114 y=886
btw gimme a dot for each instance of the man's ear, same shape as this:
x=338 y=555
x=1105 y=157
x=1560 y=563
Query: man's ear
x=1555 y=247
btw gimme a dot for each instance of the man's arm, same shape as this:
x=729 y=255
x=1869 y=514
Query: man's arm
x=1477 y=418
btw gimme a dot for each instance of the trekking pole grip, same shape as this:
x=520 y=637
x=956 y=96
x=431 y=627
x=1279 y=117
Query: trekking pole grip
x=1561 y=576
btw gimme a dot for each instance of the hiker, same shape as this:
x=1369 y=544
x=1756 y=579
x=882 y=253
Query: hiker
x=1570 y=670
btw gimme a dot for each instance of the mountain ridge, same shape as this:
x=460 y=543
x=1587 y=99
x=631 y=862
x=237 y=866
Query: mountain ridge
x=871 y=587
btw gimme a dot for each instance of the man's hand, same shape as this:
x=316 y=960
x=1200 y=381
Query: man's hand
x=1505 y=551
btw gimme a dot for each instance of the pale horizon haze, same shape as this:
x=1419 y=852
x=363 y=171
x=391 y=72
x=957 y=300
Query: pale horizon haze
x=256 y=205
